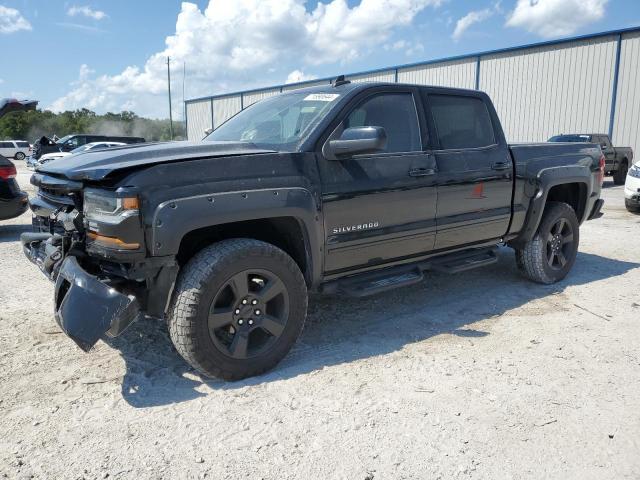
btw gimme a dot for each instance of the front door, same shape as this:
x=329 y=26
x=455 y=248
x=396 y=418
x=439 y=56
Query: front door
x=380 y=207
x=475 y=171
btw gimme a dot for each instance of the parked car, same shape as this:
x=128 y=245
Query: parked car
x=13 y=201
x=346 y=188
x=46 y=145
x=617 y=159
x=632 y=189
x=85 y=148
x=16 y=149
x=71 y=142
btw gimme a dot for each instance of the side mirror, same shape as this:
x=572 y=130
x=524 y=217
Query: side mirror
x=358 y=141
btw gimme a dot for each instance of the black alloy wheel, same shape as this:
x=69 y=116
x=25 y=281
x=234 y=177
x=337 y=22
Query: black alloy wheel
x=248 y=314
x=559 y=244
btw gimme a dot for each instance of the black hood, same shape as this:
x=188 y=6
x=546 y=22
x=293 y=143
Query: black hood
x=97 y=165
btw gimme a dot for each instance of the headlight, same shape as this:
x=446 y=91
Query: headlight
x=634 y=171
x=112 y=221
x=102 y=206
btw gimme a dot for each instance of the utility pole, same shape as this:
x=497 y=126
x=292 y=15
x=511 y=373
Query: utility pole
x=169 y=85
x=184 y=105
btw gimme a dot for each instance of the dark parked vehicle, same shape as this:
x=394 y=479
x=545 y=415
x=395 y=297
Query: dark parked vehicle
x=71 y=142
x=13 y=201
x=618 y=160
x=344 y=188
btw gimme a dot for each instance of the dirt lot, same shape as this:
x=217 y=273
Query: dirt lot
x=478 y=375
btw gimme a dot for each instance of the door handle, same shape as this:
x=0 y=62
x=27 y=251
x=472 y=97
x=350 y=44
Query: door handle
x=421 y=172
x=500 y=166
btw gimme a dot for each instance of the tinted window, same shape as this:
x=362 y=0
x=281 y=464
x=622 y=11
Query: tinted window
x=572 y=138
x=6 y=145
x=396 y=113
x=23 y=144
x=461 y=122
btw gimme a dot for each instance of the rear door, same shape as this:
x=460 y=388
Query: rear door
x=7 y=149
x=475 y=170
x=380 y=207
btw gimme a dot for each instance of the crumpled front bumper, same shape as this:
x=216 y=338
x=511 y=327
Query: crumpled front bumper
x=86 y=308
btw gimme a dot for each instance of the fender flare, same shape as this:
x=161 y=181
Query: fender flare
x=545 y=181
x=173 y=219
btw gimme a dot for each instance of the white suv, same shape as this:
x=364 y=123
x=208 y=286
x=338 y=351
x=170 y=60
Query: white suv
x=17 y=149
x=632 y=189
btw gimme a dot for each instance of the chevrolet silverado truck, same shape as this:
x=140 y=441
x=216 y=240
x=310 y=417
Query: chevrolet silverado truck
x=618 y=160
x=346 y=188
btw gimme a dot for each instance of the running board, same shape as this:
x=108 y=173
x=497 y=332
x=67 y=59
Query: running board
x=371 y=285
x=457 y=263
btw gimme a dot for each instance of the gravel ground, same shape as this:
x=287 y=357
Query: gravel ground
x=477 y=375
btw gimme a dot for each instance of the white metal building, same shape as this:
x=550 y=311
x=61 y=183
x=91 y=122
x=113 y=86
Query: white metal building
x=587 y=84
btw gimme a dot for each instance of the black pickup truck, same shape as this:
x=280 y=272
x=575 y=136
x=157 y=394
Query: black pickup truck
x=618 y=160
x=345 y=188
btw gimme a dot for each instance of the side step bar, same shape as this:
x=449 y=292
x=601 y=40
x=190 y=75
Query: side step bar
x=457 y=264
x=372 y=283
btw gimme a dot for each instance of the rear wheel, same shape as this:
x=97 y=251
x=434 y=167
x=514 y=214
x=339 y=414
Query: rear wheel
x=20 y=156
x=550 y=254
x=238 y=308
x=620 y=175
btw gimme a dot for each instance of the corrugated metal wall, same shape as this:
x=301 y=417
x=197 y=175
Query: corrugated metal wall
x=545 y=91
x=252 y=97
x=296 y=86
x=198 y=118
x=626 y=126
x=459 y=74
x=539 y=90
x=388 y=76
x=224 y=108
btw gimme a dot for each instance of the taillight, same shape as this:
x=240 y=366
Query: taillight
x=601 y=174
x=8 y=172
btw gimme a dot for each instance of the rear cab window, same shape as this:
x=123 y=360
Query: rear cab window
x=461 y=121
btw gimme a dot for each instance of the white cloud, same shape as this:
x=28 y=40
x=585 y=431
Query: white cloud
x=86 y=11
x=11 y=20
x=552 y=18
x=299 y=76
x=473 y=17
x=235 y=45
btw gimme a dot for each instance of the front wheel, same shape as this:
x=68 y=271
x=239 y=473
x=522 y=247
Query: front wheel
x=20 y=156
x=238 y=307
x=550 y=254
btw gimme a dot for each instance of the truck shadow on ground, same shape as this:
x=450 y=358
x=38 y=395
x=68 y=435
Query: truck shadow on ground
x=341 y=330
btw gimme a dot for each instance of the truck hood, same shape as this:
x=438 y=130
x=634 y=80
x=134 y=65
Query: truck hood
x=96 y=165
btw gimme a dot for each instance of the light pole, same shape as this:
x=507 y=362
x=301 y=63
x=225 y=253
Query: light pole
x=169 y=85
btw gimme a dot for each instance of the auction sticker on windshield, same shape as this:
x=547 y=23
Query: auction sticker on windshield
x=321 y=97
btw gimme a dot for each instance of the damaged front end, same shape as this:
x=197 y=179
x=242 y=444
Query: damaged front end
x=88 y=303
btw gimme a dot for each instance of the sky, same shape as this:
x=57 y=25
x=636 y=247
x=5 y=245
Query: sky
x=110 y=55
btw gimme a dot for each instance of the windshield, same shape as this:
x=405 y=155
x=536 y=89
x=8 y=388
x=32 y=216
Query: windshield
x=571 y=138
x=64 y=139
x=83 y=148
x=277 y=123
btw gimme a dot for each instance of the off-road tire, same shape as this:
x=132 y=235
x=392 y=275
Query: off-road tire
x=200 y=281
x=20 y=156
x=532 y=259
x=620 y=175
